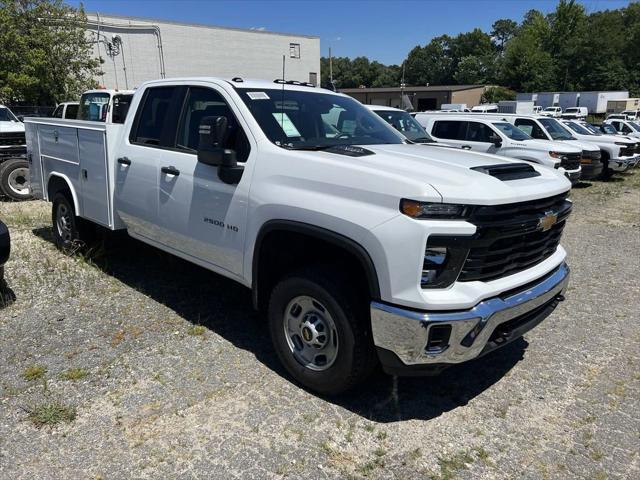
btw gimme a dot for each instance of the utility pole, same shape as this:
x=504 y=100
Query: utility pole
x=402 y=85
x=333 y=87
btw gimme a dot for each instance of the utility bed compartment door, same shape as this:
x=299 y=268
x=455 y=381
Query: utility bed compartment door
x=36 y=182
x=59 y=143
x=94 y=179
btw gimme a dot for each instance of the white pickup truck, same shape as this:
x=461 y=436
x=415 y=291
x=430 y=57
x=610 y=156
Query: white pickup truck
x=491 y=134
x=360 y=249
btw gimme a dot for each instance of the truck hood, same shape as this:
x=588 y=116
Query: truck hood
x=407 y=170
x=10 y=127
x=551 y=146
x=606 y=138
x=586 y=146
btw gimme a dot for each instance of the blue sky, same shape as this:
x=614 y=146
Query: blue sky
x=382 y=30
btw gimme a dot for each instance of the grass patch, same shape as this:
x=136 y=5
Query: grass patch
x=34 y=372
x=50 y=414
x=449 y=466
x=196 y=330
x=74 y=374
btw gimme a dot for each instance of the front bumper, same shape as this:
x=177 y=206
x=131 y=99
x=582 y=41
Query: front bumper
x=573 y=175
x=591 y=170
x=402 y=336
x=621 y=164
x=5 y=246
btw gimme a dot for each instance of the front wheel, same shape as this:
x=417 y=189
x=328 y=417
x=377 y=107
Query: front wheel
x=14 y=179
x=320 y=330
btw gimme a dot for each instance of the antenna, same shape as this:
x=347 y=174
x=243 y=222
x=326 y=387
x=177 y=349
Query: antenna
x=333 y=87
x=282 y=102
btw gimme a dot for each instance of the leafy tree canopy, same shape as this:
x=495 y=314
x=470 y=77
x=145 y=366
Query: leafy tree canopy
x=45 y=56
x=568 y=49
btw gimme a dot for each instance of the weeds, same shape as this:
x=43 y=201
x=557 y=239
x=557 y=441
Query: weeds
x=74 y=374
x=50 y=414
x=34 y=372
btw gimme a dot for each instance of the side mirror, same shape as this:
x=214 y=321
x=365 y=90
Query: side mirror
x=213 y=135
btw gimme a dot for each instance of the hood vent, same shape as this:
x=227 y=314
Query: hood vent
x=510 y=171
x=349 y=150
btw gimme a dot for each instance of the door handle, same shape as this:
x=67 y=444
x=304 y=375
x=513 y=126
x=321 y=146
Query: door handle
x=124 y=161
x=466 y=147
x=170 y=171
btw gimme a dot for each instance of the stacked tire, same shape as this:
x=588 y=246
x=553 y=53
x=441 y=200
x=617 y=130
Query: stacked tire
x=14 y=178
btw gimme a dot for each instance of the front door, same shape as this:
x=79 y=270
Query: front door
x=200 y=215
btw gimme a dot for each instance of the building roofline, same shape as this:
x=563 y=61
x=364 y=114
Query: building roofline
x=201 y=25
x=430 y=88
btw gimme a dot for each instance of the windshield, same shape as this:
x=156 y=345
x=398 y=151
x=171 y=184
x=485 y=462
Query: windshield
x=610 y=129
x=7 y=115
x=93 y=106
x=514 y=133
x=556 y=130
x=578 y=128
x=571 y=110
x=635 y=126
x=309 y=120
x=405 y=124
x=592 y=128
x=550 y=109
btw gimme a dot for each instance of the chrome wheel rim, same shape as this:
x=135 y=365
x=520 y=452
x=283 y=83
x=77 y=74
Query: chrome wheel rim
x=64 y=222
x=19 y=181
x=311 y=333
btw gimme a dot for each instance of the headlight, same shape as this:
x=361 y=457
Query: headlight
x=434 y=211
x=560 y=155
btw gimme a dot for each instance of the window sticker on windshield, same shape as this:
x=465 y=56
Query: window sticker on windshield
x=286 y=124
x=258 y=95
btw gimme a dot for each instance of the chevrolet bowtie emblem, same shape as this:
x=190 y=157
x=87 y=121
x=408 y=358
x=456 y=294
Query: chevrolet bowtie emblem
x=548 y=221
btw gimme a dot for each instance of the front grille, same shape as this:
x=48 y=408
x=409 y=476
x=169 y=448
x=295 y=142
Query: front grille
x=627 y=151
x=570 y=161
x=509 y=238
x=12 y=138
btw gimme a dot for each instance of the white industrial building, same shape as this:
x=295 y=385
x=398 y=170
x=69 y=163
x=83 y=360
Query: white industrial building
x=135 y=50
x=596 y=102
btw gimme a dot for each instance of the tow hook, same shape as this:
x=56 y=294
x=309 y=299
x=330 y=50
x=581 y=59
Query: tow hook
x=560 y=297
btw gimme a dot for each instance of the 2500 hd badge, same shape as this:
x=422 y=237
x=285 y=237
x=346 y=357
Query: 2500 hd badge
x=221 y=224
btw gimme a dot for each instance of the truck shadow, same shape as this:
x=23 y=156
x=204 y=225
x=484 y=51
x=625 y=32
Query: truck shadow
x=225 y=307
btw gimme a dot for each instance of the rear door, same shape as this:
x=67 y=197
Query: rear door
x=140 y=156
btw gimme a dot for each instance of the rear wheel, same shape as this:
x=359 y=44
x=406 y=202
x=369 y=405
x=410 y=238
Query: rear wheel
x=320 y=330
x=71 y=233
x=14 y=179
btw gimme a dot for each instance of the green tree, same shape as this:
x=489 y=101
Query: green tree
x=496 y=94
x=45 y=56
x=503 y=30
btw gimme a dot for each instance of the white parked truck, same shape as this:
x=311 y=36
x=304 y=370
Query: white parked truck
x=618 y=152
x=14 y=172
x=484 y=133
x=405 y=123
x=539 y=127
x=360 y=248
x=66 y=110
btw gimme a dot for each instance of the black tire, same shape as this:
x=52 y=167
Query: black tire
x=355 y=358
x=71 y=233
x=14 y=179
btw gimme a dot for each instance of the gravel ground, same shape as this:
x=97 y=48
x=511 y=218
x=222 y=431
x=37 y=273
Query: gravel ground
x=134 y=364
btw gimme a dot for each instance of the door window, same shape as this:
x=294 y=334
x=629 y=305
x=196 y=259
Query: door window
x=479 y=132
x=531 y=128
x=205 y=102
x=154 y=126
x=71 y=112
x=449 y=129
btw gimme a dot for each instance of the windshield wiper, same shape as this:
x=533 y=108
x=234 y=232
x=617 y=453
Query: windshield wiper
x=423 y=140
